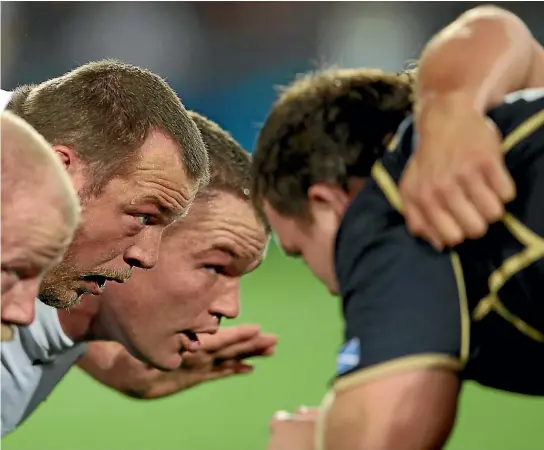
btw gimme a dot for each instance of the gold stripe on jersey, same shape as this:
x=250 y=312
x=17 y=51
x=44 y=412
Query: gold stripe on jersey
x=391 y=192
x=533 y=243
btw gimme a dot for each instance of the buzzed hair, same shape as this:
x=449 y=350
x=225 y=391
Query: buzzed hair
x=326 y=127
x=230 y=164
x=104 y=111
x=29 y=164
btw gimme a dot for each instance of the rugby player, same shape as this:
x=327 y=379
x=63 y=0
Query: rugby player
x=418 y=322
x=156 y=315
x=40 y=212
x=457 y=183
x=135 y=158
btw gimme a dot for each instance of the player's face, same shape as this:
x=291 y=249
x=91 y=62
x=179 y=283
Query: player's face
x=33 y=240
x=312 y=241
x=195 y=283
x=121 y=228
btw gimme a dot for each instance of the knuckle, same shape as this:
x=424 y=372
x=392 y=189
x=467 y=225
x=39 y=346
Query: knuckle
x=495 y=211
x=481 y=228
x=452 y=240
x=447 y=187
x=415 y=227
x=426 y=197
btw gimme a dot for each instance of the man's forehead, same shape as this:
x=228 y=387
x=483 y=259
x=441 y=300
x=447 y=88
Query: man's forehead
x=36 y=238
x=169 y=200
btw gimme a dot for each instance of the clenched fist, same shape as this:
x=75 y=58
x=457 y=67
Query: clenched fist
x=456 y=182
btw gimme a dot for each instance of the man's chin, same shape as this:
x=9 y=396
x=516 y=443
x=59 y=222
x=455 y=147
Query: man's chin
x=169 y=363
x=60 y=300
x=165 y=363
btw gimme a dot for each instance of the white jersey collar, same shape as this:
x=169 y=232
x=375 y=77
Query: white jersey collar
x=5 y=97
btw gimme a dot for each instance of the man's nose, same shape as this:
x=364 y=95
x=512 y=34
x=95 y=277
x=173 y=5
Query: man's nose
x=144 y=253
x=227 y=303
x=19 y=304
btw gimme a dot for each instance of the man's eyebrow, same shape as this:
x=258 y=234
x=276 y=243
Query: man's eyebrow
x=222 y=248
x=164 y=207
x=226 y=249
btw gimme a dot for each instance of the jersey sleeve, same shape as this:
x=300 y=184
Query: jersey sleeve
x=401 y=302
x=520 y=119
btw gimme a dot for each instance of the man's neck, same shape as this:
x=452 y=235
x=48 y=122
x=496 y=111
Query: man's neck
x=79 y=322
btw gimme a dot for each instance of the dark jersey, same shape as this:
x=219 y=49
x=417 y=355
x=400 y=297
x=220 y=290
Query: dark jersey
x=478 y=310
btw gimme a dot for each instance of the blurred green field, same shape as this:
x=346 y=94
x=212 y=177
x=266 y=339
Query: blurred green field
x=234 y=413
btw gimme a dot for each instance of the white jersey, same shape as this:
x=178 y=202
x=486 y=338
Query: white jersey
x=33 y=363
x=5 y=97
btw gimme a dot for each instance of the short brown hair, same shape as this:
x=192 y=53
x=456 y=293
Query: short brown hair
x=105 y=110
x=326 y=127
x=230 y=164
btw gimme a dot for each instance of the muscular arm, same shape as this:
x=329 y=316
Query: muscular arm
x=412 y=410
x=112 y=365
x=484 y=55
x=221 y=355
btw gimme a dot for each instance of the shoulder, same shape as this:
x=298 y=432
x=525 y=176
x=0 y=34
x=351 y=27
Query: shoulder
x=5 y=97
x=517 y=108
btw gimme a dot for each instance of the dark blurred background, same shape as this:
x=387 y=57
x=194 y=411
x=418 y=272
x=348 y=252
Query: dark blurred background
x=224 y=59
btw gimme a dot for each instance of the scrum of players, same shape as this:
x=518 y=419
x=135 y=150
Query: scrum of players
x=412 y=196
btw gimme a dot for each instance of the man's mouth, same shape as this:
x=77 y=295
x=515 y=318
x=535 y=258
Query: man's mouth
x=97 y=283
x=189 y=342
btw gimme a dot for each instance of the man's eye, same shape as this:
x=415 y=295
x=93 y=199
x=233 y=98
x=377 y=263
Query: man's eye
x=215 y=268
x=144 y=219
x=9 y=279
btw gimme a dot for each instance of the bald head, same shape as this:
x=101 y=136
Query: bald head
x=29 y=166
x=40 y=212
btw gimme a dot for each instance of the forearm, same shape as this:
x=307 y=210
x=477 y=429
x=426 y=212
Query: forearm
x=398 y=417
x=482 y=56
x=112 y=365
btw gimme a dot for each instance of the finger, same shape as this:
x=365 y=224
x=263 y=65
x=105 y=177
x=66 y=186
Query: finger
x=235 y=365
x=414 y=219
x=432 y=201
x=485 y=199
x=243 y=369
x=418 y=225
x=246 y=349
x=500 y=180
x=241 y=355
x=281 y=416
x=227 y=336
x=415 y=197
x=216 y=374
x=268 y=351
x=238 y=355
x=308 y=412
x=227 y=369
x=408 y=182
x=444 y=228
x=466 y=216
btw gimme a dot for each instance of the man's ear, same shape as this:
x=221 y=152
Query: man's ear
x=73 y=164
x=66 y=155
x=322 y=195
